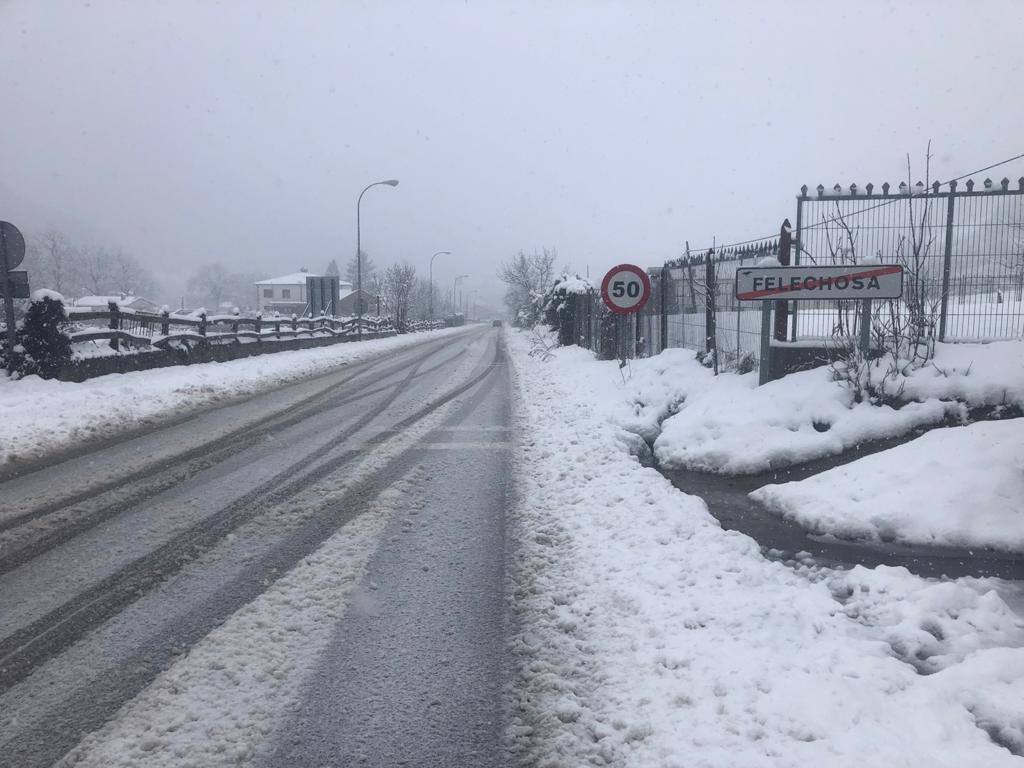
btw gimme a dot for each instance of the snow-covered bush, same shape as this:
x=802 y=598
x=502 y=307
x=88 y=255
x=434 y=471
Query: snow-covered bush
x=563 y=302
x=41 y=345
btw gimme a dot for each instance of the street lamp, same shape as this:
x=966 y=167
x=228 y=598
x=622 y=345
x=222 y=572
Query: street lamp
x=455 y=288
x=359 y=255
x=439 y=253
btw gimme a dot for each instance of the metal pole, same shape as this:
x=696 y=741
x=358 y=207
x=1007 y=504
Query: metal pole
x=865 y=328
x=5 y=283
x=666 y=276
x=796 y=256
x=765 y=364
x=947 y=260
x=359 y=255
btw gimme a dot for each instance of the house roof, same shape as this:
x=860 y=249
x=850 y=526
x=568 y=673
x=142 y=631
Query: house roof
x=102 y=301
x=296 y=278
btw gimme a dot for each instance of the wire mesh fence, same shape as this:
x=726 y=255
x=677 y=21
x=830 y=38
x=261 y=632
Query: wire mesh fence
x=964 y=248
x=962 y=252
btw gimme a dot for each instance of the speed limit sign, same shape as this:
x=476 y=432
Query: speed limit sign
x=625 y=289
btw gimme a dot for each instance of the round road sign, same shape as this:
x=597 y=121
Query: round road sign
x=625 y=289
x=12 y=245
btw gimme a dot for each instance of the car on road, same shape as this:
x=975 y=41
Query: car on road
x=496 y=323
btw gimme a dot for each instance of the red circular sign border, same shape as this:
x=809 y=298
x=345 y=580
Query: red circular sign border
x=643 y=279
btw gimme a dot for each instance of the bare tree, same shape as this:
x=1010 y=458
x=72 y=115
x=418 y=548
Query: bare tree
x=527 y=278
x=208 y=286
x=399 y=283
x=58 y=259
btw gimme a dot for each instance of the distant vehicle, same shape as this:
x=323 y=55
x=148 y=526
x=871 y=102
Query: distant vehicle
x=496 y=323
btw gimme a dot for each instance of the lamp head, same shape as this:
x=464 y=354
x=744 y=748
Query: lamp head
x=391 y=182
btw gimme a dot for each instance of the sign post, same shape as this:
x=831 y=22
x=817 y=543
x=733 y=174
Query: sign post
x=808 y=282
x=12 y=251
x=625 y=290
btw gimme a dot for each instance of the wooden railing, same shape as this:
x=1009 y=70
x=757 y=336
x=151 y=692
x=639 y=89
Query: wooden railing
x=145 y=329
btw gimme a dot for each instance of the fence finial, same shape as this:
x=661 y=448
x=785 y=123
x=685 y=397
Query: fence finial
x=1005 y=184
x=869 y=188
x=970 y=185
x=837 y=189
x=935 y=187
x=821 y=190
x=1020 y=182
x=988 y=183
x=952 y=186
x=853 y=188
x=903 y=187
x=919 y=186
x=803 y=191
x=885 y=188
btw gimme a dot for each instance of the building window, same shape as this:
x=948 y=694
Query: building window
x=268 y=293
x=286 y=293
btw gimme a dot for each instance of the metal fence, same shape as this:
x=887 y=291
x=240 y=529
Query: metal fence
x=965 y=247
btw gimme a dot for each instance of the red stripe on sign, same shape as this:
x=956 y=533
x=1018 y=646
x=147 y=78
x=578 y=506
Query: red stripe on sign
x=813 y=284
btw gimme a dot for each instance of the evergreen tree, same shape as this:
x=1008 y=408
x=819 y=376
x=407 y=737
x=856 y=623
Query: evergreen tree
x=332 y=269
x=41 y=345
x=369 y=269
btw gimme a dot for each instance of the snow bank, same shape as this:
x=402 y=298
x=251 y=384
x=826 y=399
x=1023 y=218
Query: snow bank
x=38 y=416
x=729 y=424
x=961 y=486
x=651 y=637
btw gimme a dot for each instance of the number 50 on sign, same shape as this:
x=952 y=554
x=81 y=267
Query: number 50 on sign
x=625 y=289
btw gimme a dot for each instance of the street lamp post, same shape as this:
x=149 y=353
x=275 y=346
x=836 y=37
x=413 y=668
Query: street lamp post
x=455 y=288
x=359 y=255
x=439 y=253
x=469 y=301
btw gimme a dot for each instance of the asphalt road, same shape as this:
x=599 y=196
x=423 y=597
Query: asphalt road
x=118 y=562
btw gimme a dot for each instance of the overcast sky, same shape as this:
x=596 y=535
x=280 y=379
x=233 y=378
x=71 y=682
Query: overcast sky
x=242 y=132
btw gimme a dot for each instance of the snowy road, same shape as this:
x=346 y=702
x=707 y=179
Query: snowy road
x=309 y=577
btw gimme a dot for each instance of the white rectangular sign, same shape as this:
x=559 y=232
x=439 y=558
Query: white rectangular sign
x=853 y=281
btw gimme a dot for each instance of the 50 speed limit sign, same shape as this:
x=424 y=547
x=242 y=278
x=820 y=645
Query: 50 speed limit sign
x=625 y=289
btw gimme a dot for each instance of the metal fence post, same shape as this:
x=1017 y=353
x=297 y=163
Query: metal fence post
x=865 y=328
x=796 y=256
x=115 y=323
x=782 y=307
x=666 y=277
x=710 y=337
x=947 y=260
x=165 y=322
x=764 y=367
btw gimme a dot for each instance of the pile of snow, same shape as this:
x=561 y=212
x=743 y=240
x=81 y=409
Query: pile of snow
x=650 y=636
x=39 y=416
x=573 y=284
x=729 y=424
x=961 y=486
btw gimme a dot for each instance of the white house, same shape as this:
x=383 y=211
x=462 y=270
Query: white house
x=287 y=294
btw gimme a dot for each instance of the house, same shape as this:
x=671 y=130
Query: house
x=347 y=305
x=123 y=301
x=287 y=294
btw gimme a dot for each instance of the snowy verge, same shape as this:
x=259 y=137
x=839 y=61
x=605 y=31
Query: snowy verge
x=39 y=416
x=729 y=424
x=960 y=486
x=648 y=636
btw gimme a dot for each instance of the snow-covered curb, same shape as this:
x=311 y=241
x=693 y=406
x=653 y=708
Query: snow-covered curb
x=39 y=416
x=648 y=636
x=961 y=486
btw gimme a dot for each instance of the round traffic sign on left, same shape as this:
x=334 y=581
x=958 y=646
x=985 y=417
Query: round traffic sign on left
x=625 y=289
x=12 y=245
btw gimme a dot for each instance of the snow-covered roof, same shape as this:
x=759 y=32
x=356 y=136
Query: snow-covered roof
x=102 y=301
x=295 y=278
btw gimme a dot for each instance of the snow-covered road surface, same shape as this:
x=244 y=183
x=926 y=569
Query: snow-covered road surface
x=311 y=576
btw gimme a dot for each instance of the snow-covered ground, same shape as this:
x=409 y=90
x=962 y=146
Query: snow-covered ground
x=729 y=424
x=962 y=486
x=648 y=636
x=38 y=416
